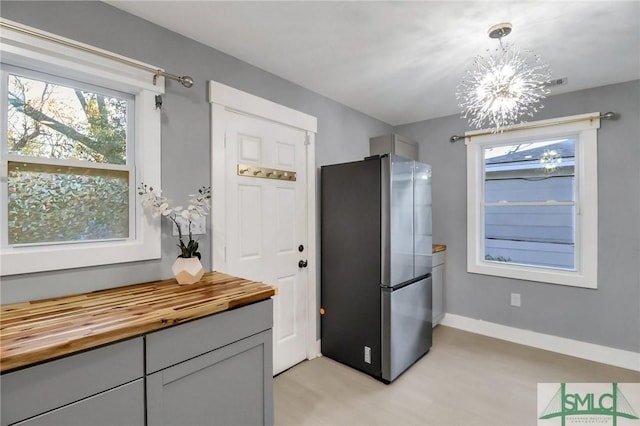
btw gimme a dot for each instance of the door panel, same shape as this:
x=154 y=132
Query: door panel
x=287 y=301
x=407 y=328
x=249 y=149
x=250 y=217
x=422 y=219
x=285 y=233
x=401 y=220
x=267 y=221
x=286 y=155
x=204 y=390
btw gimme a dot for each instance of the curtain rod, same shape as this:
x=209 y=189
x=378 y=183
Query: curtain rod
x=606 y=116
x=186 y=81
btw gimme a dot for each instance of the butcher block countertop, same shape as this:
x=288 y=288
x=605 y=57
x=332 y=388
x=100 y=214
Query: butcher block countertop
x=32 y=332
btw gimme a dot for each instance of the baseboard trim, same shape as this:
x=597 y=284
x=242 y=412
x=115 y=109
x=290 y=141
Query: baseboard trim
x=576 y=348
x=314 y=351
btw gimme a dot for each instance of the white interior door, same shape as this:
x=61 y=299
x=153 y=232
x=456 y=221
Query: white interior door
x=258 y=223
x=267 y=222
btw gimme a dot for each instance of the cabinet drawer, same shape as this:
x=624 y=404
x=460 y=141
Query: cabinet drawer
x=185 y=341
x=122 y=406
x=38 y=389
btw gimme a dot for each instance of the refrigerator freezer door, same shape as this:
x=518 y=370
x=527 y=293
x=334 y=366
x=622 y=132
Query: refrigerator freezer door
x=406 y=326
x=423 y=239
x=397 y=220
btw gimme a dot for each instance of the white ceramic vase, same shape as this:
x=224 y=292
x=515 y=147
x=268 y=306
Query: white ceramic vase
x=187 y=270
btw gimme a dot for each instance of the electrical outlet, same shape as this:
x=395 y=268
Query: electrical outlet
x=198 y=226
x=367 y=354
x=515 y=299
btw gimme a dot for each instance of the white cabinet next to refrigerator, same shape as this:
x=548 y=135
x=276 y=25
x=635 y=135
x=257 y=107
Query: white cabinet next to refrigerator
x=393 y=144
x=438 y=285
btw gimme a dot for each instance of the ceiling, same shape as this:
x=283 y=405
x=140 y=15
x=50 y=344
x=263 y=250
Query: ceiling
x=400 y=61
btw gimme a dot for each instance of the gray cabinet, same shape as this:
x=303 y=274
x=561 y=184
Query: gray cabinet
x=123 y=405
x=78 y=383
x=214 y=371
x=228 y=386
x=393 y=144
x=438 y=286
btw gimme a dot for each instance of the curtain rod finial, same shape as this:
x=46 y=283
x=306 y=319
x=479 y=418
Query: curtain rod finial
x=186 y=81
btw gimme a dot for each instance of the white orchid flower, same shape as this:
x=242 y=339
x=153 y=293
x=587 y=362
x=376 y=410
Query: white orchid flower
x=199 y=206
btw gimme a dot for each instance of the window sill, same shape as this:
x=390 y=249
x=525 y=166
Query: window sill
x=47 y=258
x=544 y=275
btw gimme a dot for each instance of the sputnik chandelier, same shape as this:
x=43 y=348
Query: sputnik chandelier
x=503 y=86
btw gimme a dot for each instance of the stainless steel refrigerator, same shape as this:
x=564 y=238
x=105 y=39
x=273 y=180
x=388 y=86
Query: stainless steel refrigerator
x=376 y=248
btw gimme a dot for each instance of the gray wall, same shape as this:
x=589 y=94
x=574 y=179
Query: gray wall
x=607 y=316
x=343 y=133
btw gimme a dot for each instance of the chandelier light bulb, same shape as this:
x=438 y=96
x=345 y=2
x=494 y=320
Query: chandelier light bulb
x=503 y=86
x=550 y=161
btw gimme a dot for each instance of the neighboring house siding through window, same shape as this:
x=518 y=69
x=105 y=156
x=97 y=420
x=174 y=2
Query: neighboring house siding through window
x=530 y=204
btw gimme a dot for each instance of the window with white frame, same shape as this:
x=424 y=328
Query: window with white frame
x=532 y=202
x=79 y=132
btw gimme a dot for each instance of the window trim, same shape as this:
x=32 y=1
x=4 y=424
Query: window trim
x=27 y=51
x=584 y=127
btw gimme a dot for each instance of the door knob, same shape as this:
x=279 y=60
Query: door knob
x=302 y=264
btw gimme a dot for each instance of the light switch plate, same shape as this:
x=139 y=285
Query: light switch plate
x=198 y=226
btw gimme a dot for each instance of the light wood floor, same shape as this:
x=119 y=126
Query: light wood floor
x=466 y=379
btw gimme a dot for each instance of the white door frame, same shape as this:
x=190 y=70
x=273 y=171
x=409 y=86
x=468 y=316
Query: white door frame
x=223 y=99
